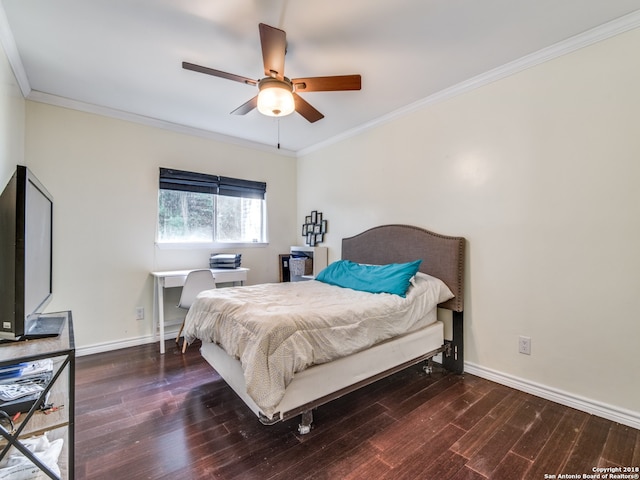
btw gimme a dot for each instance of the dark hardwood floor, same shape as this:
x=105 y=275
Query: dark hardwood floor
x=142 y=415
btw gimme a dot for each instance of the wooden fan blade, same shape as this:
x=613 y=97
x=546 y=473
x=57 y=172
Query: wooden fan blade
x=305 y=109
x=218 y=73
x=246 y=107
x=328 y=84
x=274 y=46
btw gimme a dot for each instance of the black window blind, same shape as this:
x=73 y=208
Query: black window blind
x=171 y=179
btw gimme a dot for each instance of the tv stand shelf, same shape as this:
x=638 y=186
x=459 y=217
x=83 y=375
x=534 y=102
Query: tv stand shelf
x=57 y=422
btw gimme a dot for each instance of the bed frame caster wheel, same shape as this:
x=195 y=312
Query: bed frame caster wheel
x=305 y=423
x=304 y=429
x=428 y=367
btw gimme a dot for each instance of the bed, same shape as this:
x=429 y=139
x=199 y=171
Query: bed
x=396 y=332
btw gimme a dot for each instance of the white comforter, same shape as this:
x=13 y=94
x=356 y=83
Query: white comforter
x=278 y=329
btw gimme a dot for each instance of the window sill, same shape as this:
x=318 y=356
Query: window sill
x=209 y=246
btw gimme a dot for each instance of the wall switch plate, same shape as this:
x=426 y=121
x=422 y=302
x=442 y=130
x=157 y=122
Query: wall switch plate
x=139 y=313
x=524 y=345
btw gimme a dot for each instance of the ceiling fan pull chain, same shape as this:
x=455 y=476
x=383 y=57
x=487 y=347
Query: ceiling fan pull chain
x=278 y=133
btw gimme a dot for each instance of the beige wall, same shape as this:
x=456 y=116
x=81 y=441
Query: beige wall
x=103 y=175
x=12 y=126
x=540 y=172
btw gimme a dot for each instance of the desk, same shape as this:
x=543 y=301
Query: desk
x=176 y=278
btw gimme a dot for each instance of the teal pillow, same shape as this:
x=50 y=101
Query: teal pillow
x=394 y=278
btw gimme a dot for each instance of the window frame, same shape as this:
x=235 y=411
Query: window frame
x=181 y=180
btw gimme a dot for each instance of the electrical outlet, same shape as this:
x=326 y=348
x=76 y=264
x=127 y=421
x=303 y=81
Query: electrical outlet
x=139 y=313
x=524 y=345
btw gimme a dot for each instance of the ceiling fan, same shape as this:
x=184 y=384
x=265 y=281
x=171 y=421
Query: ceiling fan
x=278 y=95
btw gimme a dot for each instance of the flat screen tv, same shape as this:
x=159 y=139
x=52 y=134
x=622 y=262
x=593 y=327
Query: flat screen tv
x=26 y=233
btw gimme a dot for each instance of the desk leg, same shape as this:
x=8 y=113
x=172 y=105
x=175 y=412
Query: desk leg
x=154 y=318
x=160 y=306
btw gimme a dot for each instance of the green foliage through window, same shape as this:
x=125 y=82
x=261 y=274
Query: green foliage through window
x=191 y=213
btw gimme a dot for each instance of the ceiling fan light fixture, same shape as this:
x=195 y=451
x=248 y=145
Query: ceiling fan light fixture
x=275 y=98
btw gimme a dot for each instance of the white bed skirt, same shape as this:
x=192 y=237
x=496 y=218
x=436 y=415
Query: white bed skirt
x=322 y=380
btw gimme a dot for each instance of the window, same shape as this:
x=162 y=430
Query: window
x=200 y=208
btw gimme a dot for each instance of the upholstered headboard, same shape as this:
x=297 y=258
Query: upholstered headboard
x=442 y=256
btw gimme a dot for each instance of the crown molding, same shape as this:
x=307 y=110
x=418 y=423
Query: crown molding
x=595 y=35
x=58 y=101
x=8 y=43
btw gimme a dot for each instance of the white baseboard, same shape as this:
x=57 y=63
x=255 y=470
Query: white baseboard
x=610 y=412
x=131 y=342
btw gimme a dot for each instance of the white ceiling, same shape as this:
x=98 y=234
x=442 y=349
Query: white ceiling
x=124 y=56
